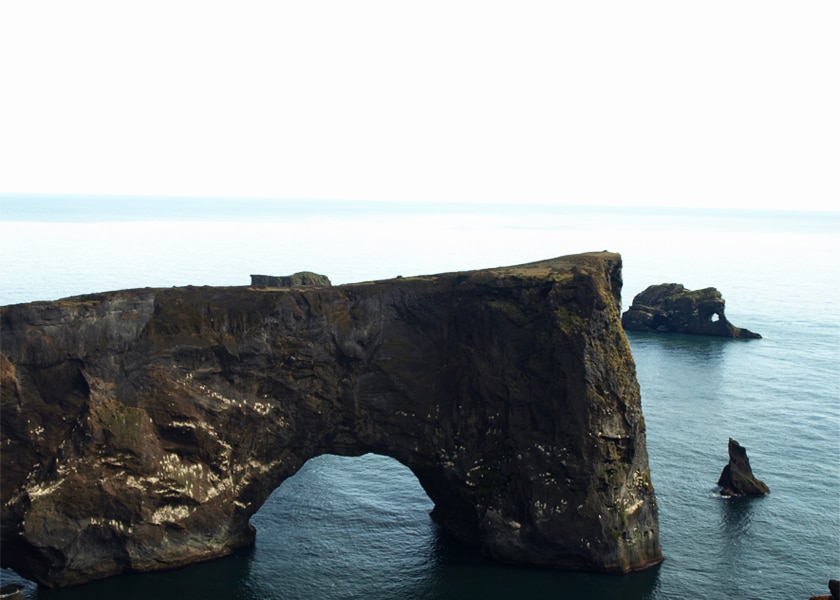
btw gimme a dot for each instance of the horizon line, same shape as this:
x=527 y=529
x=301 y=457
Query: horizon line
x=349 y=202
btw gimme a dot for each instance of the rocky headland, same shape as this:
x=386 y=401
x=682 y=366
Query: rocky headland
x=142 y=429
x=670 y=308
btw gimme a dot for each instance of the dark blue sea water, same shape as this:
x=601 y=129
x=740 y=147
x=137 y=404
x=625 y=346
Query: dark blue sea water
x=359 y=527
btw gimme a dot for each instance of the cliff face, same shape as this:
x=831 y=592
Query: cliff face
x=142 y=429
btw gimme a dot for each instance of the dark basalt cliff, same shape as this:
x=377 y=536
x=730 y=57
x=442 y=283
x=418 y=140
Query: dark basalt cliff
x=141 y=429
x=670 y=308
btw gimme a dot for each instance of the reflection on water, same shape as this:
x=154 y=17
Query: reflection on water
x=736 y=517
x=223 y=578
x=707 y=350
x=738 y=542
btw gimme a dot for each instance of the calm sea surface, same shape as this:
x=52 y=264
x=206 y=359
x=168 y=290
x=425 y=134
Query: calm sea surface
x=359 y=527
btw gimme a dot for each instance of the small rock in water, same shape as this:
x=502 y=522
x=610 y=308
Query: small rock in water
x=737 y=478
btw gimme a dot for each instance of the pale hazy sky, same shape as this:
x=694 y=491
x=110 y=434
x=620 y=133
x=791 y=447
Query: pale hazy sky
x=713 y=103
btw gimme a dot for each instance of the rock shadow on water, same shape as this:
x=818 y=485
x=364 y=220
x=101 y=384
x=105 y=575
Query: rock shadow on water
x=699 y=362
x=696 y=347
x=461 y=573
x=736 y=526
x=736 y=513
x=224 y=578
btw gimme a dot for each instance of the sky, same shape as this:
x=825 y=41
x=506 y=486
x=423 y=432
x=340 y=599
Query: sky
x=650 y=103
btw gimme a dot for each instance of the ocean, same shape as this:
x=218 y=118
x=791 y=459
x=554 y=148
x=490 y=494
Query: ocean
x=359 y=527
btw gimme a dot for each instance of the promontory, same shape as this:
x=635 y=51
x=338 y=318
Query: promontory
x=142 y=429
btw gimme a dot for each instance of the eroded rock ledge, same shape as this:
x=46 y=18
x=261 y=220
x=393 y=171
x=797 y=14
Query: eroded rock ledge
x=142 y=429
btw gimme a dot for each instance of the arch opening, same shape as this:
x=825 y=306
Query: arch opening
x=351 y=522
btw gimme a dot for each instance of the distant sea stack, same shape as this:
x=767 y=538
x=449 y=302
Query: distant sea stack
x=301 y=279
x=142 y=429
x=670 y=308
x=737 y=478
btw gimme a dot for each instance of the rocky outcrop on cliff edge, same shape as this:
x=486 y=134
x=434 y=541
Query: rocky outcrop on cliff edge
x=301 y=279
x=142 y=429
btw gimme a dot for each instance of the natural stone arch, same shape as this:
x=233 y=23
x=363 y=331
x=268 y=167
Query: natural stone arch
x=670 y=308
x=142 y=429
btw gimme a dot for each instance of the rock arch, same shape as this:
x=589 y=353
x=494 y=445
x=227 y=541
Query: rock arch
x=141 y=429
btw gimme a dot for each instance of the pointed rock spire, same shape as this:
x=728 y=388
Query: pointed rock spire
x=737 y=478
